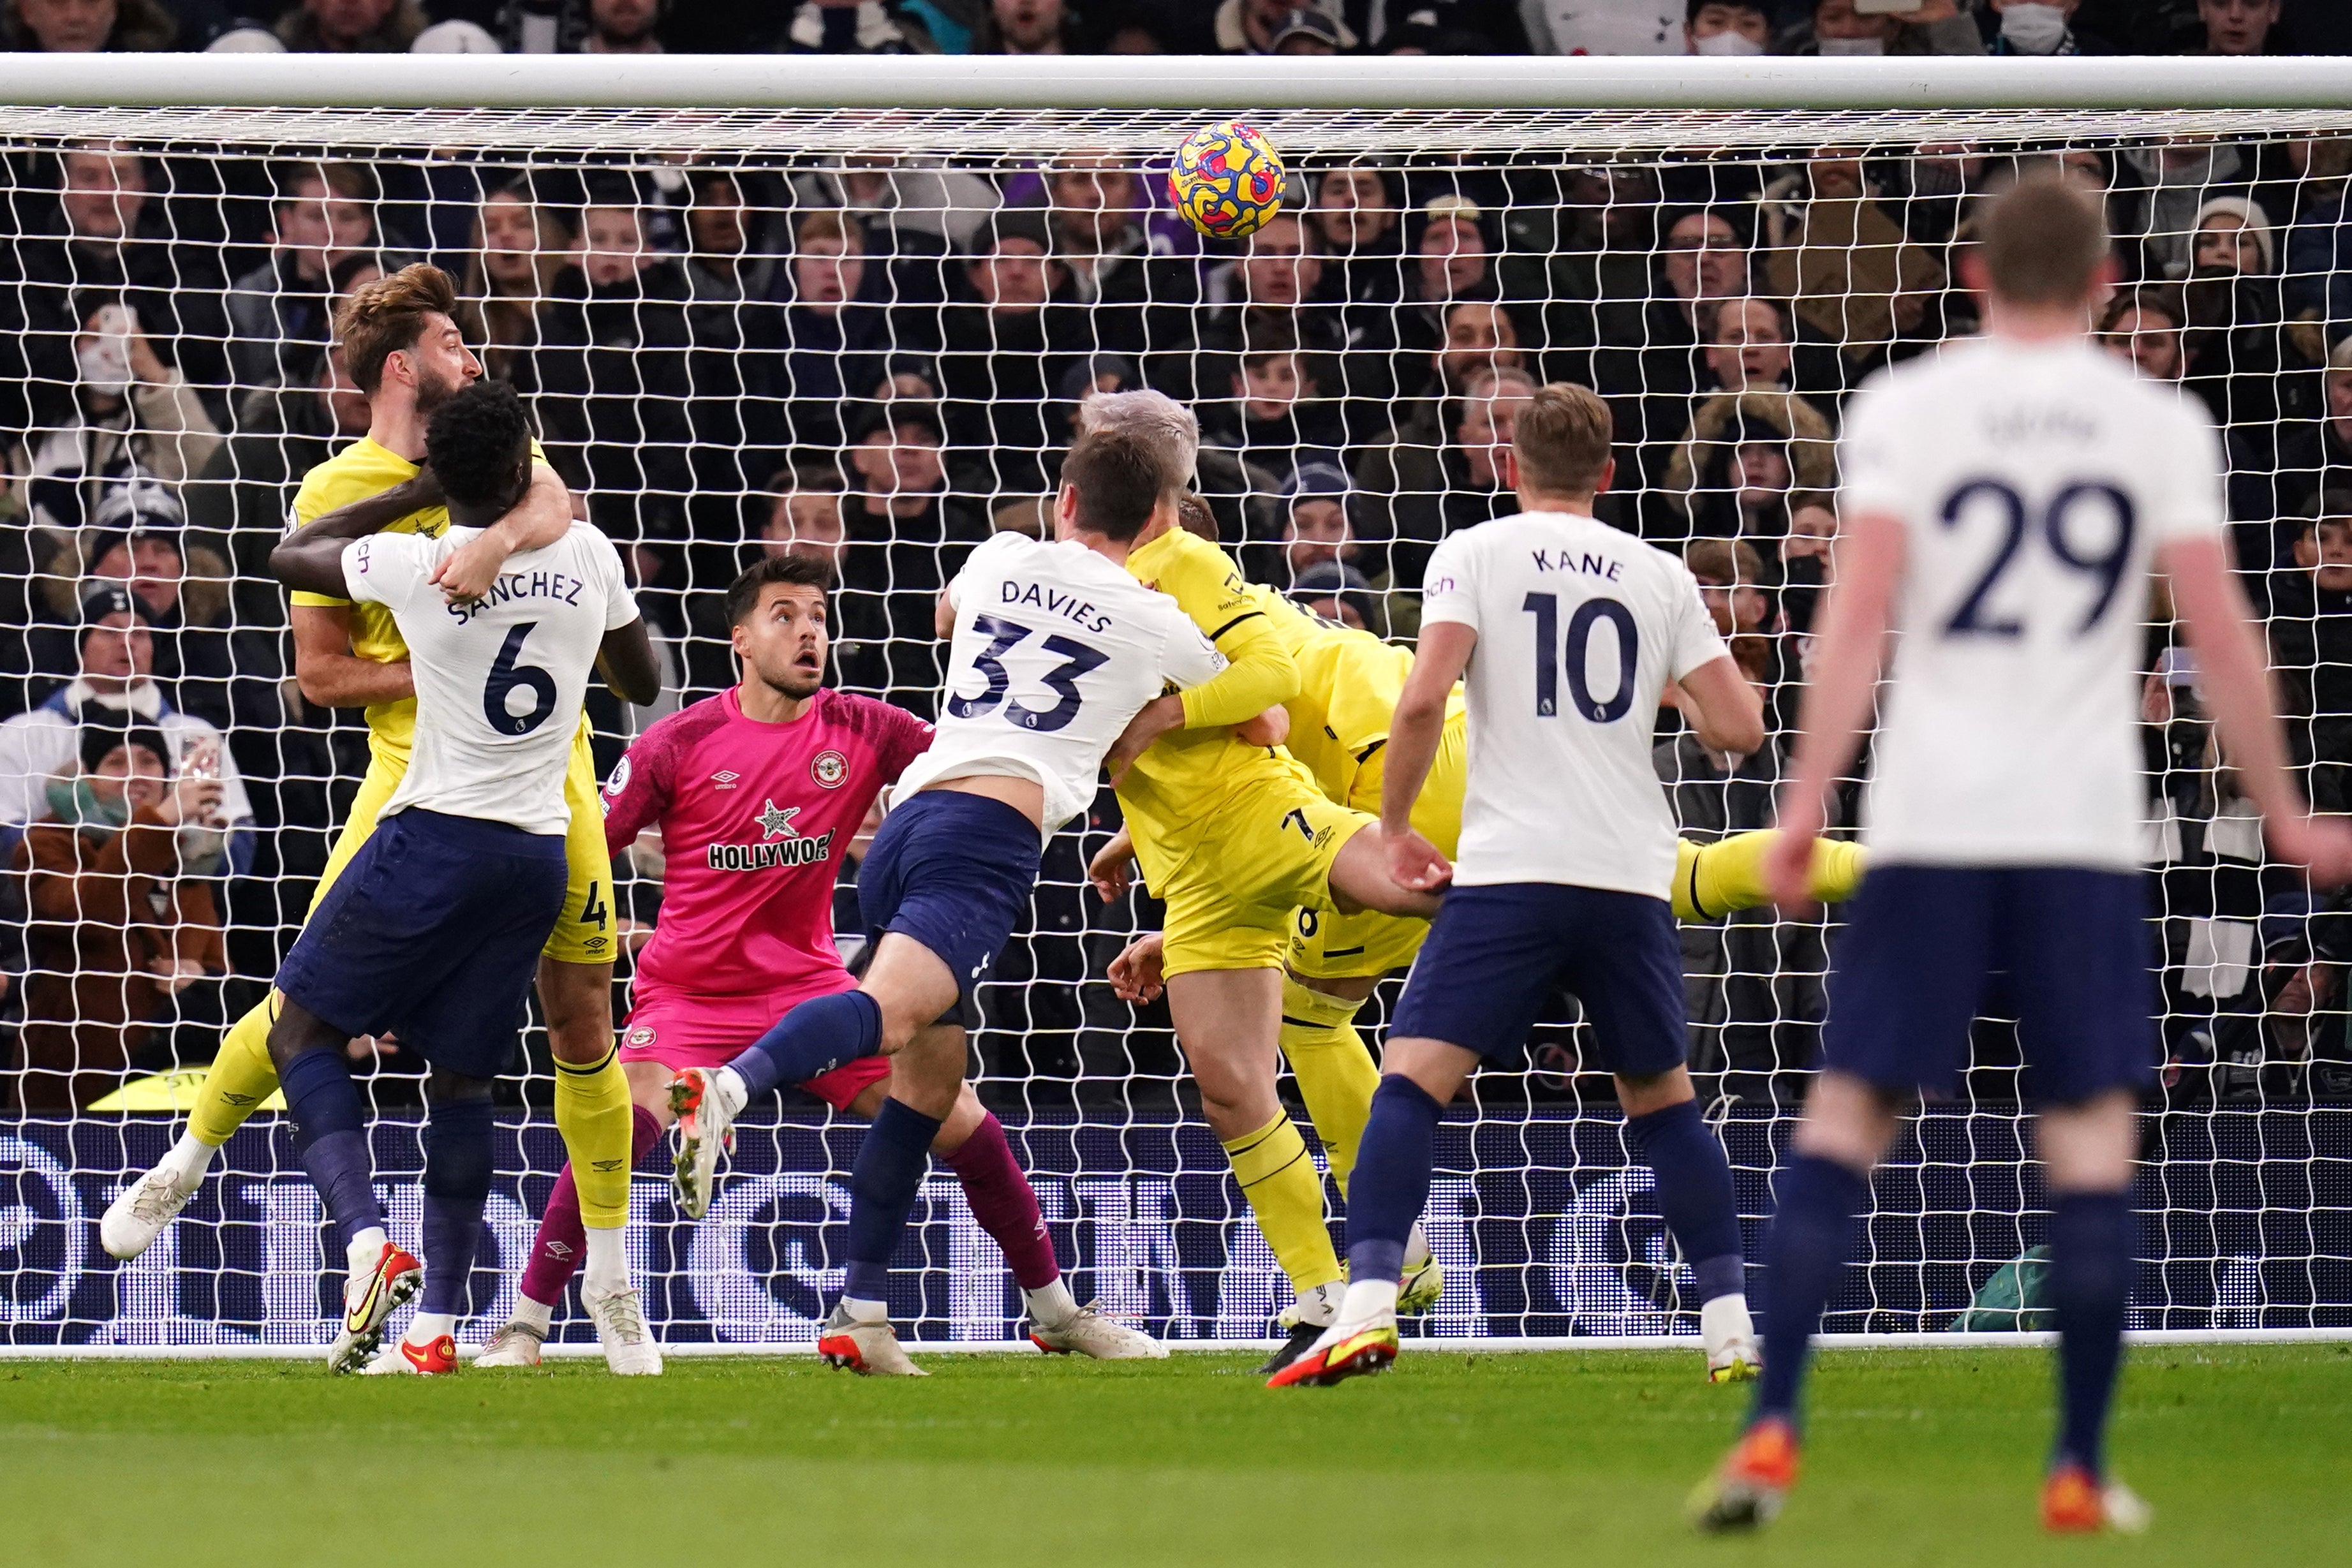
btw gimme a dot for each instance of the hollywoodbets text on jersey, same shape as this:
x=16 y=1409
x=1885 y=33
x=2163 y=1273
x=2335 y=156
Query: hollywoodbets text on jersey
x=759 y=857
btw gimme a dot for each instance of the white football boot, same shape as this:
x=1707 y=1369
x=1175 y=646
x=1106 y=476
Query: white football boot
x=1089 y=1333
x=140 y=1211
x=630 y=1350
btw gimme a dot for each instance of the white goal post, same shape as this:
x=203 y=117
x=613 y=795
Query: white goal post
x=1722 y=248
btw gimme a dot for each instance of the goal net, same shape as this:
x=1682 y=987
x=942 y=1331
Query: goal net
x=863 y=335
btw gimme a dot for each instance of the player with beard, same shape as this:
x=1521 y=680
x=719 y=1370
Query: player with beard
x=402 y=347
x=758 y=793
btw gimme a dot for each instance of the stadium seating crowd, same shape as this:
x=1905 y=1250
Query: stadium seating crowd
x=878 y=363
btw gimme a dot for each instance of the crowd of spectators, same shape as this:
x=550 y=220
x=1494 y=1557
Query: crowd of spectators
x=1732 y=27
x=877 y=360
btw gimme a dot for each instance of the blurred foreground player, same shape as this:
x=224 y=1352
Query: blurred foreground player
x=1055 y=650
x=436 y=929
x=1567 y=632
x=758 y=793
x=2008 y=501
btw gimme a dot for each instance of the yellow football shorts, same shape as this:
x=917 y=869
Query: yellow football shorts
x=1267 y=854
x=1327 y=945
x=584 y=933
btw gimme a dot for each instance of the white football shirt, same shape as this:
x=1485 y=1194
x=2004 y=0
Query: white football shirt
x=2035 y=483
x=499 y=681
x=1056 y=649
x=1579 y=628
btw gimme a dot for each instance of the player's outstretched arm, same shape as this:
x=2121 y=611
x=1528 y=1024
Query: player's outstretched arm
x=1837 y=704
x=310 y=559
x=1414 y=731
x=625 y=659
x=543 y=516
x=2220 y=624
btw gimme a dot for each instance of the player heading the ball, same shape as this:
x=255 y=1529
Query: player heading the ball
x=436 y=930
x=2007 y=503
x=1056 y=649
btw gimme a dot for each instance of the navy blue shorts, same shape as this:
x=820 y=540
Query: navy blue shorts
x=2069 y=948
x=1495 y=955
x=432 y=933
x=954 y=872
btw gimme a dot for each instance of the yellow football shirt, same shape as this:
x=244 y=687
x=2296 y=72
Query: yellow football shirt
x=1180 y=784
x=361 y=469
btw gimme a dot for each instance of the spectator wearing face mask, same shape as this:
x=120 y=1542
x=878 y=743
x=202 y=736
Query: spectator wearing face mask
x=1837 y=27
x=2041 y=29
x=123 y=939
x=1726 y=27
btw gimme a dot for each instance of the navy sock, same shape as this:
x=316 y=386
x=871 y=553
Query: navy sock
x=458 y=1158
x=811 y=1040
x=1694 y=1185
x=1391 y=1186
x=331 y=1136
x=2094 y=1244
x=883 y=1183
x=1812 y=1240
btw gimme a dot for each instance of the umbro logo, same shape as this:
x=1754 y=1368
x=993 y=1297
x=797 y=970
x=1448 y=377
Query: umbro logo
x=725 y=778
x=604 y=1164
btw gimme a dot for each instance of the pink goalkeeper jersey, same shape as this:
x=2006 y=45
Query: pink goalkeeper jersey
x=754 y=820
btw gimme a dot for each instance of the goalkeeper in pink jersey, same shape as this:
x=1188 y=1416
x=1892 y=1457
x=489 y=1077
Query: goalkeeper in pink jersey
x=758 y=793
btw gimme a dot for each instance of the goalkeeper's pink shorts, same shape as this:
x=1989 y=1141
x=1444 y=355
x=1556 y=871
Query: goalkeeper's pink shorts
x=683 y=1031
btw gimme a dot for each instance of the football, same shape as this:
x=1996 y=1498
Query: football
x=1227 y=181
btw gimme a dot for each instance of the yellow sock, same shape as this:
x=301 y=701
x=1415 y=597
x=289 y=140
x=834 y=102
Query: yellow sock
x=1712 y=881
x=241 y=1077
x=1335 y=1072
x=1286 y=1192
x=1836 y=871
x=591 y=1112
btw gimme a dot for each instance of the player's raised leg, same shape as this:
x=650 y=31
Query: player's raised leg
x=239 y=1080
x=457 y=1164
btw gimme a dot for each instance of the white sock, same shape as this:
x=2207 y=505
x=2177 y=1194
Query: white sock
x=608 y=1261
x=1724 y=1320
x=531 y=1314
x=1320 y=1306
x=364 y=1249
x=188 y=1161
x=1050 y=1305
x=426 y=1327
x=1367 y=1298
x=1416 y=1251
x=857 y=1309
x=732 y=1092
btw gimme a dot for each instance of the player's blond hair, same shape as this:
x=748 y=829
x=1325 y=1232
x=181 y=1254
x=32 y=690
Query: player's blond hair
x=1170 y=429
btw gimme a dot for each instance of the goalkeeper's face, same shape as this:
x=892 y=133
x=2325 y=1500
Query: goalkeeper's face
x=784 y=641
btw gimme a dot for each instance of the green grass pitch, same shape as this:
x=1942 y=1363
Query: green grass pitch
x=1917 y=1457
